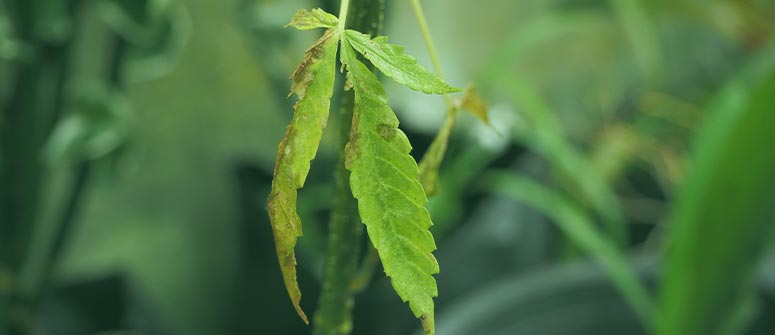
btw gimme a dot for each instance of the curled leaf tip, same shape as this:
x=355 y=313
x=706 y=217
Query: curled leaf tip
x=474 y=103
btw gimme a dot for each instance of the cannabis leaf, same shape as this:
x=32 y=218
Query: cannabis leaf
x=391 y=60
x=311 y=19
x=384 y=179
x=313 y=82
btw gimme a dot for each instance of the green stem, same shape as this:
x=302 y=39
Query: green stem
x=334 y=314
x=343 y=9
x=431 y=46
x=426 y=36
x=345 y=232
x=36 y=104
x=438 y=148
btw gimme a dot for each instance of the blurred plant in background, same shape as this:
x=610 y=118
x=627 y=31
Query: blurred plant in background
x=628 y=187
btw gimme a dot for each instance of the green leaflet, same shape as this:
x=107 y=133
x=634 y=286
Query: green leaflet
x=313 y=82
x=391 y=60
x=311 y=19
x=390 y=198
x=724 y=217
x=579 y=228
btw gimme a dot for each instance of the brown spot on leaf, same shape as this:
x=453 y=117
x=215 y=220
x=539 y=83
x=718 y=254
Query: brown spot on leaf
x=301 y=77
x=386 y=131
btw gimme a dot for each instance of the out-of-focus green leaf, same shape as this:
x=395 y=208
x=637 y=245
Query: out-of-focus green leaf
x=53 y=23
x=157 y=32
x=615 y=150
x=391 y=200
x=641 y=34
x=10 y=47
x=575 y=298
x=725 y=214
x=580 y=229
x=545 y=135
x=391 y=60
x=311 y=19
x=99 y=122
x=313 y=83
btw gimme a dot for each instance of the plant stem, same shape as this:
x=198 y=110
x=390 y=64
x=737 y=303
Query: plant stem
x=426 y=36
x=345 y=232
x=435 y=153
x=343 y=9
x=431 y=46
x=28 y=119
x=334 y=314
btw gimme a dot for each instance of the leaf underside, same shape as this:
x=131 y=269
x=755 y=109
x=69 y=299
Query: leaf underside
x=391 y=60
x=391 y=200
x=313 y=82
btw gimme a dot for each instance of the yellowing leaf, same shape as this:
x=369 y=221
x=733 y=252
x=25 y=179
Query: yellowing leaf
x=384 y=179
x=474 y=104
x=311 y=19
x=391 y=60
x=313 y=82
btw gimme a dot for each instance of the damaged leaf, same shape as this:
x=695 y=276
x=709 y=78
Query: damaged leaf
x=312 y=19
x=475 y=105
x=313 y=83
x=391 y=200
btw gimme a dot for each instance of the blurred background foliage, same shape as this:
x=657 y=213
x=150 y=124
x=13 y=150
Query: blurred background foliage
x=138 y=137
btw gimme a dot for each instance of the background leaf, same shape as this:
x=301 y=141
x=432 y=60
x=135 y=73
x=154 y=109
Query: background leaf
x=572 y=298
x=724 y=217
x=581 y=230
x=99 y=123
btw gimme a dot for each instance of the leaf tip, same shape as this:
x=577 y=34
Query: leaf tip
x=306 y=19
x=301 y=313
x=427 y=324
